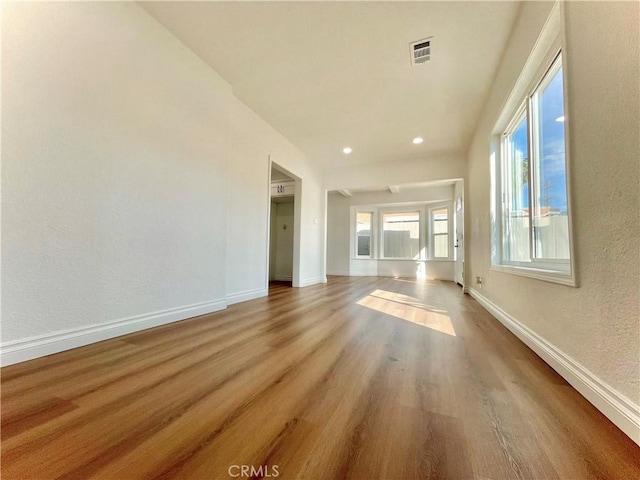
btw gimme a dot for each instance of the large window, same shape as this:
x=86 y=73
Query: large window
x=531 y=207
x=401 y=234
x=415 y=231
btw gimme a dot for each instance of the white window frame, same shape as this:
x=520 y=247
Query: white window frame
x=522 y=113
x=536 y=73
x=420 y=210
x=432 y=234
x=377 y=233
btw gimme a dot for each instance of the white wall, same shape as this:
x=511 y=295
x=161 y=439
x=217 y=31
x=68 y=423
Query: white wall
x=428 y=169
x=312 y=238
x=339 y=238
x=124 y=157
x=593 y=329
x=248 y=197
x=338 y=234
x=253 y=143
x=114 y=152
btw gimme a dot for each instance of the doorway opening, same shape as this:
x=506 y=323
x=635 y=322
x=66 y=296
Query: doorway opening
x=281 y=228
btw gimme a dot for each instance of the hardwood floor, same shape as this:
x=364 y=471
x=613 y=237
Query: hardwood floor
x=361 y=378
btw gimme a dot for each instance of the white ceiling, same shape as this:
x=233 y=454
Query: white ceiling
x=331 y=74
x=395 y=188
x=405 y=186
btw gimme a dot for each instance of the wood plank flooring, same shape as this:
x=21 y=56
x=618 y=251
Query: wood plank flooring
x=364 y=378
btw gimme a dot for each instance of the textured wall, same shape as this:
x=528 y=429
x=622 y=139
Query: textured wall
x=115 y=144
x=338 y=234
x=253 y=142
x=133 y=181
x=597 y=324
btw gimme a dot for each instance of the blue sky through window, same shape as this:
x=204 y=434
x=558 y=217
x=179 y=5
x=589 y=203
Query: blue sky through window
x=552 y=182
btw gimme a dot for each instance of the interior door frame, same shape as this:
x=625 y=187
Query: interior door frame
x=297 y=221
x=458 y=212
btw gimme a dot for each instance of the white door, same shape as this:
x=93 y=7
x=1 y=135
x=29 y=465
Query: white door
x=459 y=241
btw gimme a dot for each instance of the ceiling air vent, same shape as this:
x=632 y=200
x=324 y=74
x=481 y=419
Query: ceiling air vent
x=420 y=51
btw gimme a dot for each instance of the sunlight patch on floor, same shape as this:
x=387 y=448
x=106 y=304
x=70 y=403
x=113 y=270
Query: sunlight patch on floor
x=409 y=309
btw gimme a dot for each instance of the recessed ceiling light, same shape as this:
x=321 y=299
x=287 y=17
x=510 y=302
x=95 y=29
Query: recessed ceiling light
x=418 y=140
x=347 y=150
x=560 y=119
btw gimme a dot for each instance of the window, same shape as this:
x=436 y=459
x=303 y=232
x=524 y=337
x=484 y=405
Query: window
x=531 y=208
x=401 y=235
x=397 y=232
x=363 y=234
x=440 y=232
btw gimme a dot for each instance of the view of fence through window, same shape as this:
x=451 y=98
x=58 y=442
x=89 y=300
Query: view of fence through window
x=363 y=233
x=440 y=219
x=516 y=201
x=401 y=234
x=551 y=221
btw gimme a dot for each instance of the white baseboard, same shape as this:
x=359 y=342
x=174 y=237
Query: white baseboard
x=17 y=351
x=447 y=278
x=615 y=406
x=246 y=295
x=344 y=273
x=312 y=281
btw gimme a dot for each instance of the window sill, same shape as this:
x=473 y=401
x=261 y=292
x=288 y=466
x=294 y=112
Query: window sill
x=400 y=259
x=537 y=274
x=430 y=260
x=389 y=259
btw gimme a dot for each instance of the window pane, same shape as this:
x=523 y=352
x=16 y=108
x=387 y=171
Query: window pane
x=440 y=221
x=363 y=233
x=401 y=234
x=363 y=224
x=516 y=194
x=550 y=218
x=441 y=246
x=364 y=246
